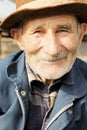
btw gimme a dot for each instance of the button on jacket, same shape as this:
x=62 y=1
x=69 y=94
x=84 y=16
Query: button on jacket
x=69 y=111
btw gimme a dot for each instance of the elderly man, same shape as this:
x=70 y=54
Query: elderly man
x=44 y=86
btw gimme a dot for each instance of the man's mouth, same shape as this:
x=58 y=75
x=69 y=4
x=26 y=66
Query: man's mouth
x=54 y=59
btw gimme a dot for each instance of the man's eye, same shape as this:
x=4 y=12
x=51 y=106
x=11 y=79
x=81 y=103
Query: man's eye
x=38 y=31
x=63 y=30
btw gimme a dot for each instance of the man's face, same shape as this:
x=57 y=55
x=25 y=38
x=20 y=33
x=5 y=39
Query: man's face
x=51 y=44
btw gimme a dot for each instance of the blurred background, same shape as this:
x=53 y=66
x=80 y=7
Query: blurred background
x=6 y=7
x=8 y=45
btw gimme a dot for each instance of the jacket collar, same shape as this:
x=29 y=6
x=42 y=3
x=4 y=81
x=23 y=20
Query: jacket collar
x=16 y=68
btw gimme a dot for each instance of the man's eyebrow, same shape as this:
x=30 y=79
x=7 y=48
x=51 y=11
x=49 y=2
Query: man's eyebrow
x=37 y=26
x=65 y=26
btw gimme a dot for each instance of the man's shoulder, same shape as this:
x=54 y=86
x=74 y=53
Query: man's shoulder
x=81 y=66
x=80 y=63
x=9 y=61
x=11 y=58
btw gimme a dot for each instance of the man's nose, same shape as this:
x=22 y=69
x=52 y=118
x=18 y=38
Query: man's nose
x=52 y=44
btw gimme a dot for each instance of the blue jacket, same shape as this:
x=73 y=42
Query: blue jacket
x=70 y=109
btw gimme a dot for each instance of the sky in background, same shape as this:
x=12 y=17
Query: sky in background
x=6 y=7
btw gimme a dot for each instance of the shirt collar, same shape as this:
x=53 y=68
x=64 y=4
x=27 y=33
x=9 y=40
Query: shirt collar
x=31 y=75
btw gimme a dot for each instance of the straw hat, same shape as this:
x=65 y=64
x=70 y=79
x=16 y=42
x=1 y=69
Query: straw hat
x=41 y=8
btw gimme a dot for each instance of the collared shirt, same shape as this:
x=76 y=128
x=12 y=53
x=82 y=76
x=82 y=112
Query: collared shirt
x=42 y=98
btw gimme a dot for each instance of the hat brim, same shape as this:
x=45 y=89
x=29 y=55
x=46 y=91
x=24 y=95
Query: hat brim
x=78 y=9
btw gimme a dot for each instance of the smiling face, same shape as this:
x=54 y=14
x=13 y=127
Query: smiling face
x=50 y=44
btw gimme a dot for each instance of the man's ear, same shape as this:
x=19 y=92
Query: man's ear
x=83 y=27
x=16 y=35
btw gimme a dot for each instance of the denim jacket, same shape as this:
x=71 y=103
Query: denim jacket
x=70 y=109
